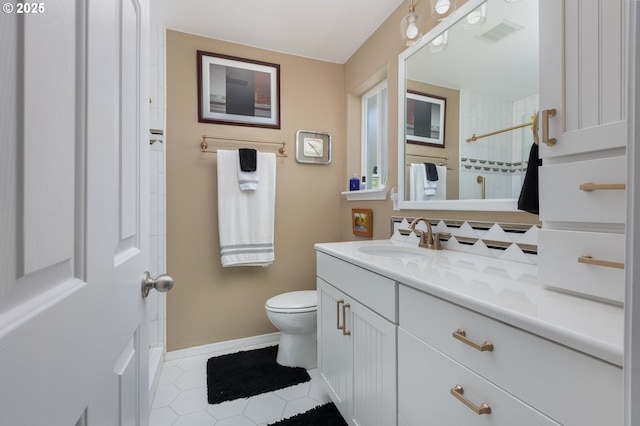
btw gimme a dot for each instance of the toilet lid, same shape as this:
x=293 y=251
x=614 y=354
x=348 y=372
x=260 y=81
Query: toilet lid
x=304 y=300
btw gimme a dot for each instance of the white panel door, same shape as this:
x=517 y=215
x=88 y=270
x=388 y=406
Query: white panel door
x=582 y=75
x=334 y=347
x=73 y=214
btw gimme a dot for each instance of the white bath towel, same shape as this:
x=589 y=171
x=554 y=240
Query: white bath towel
x=418 y=179
x=246 y=218
x=248 y=181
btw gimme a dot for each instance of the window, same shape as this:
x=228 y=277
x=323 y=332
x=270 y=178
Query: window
x=374 y=133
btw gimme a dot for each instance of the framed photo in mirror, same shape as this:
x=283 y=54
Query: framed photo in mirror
x=425 y=119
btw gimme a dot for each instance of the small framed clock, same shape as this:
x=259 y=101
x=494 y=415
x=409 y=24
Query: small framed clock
x=313 y=147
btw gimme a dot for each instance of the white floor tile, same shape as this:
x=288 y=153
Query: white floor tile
x=181 y=399
x=163 y=416
x=264 y=408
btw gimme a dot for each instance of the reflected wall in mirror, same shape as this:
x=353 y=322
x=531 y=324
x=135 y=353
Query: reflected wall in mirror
x=484 y=61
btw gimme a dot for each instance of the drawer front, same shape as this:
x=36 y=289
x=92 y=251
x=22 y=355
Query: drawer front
x=425 y=380
x=372 y=290
x=559 y=265
x=561 y=198
x=556 y=380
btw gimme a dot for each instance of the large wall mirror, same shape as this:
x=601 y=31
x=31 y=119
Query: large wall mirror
x=468 y=94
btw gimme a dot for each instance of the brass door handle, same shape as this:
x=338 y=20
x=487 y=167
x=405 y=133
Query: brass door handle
x=461 y=335
x=338 y=303
x=483 y=408
x=345 y=332
x=546 y=114
x=587 y=187
x=588 y=260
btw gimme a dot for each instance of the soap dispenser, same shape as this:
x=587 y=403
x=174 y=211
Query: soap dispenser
x=375 y=178
x=354 y=183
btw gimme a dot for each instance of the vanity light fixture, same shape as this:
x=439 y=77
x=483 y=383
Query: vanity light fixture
x=476 y=18
x=441 y=9
x=439 y=43
x=411 y=26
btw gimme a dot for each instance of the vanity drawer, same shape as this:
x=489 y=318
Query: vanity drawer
x=372 y=290
x=559 y=265
x=561 y=198
x=425 y=380
x=556 y=380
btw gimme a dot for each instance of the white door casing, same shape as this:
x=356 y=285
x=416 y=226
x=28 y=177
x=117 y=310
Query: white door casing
x=73 y=214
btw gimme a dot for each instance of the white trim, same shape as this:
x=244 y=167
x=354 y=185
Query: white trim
x=632 y=296
x=226 y=346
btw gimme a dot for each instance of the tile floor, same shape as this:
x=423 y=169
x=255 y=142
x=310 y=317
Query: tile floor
x=181 y=399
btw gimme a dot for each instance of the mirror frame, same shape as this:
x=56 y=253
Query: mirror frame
x=504 y=204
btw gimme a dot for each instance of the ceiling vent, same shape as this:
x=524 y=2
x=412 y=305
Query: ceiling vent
x=500 y=31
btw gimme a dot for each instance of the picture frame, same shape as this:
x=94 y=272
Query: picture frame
x=238 y=91
x=362 y=222
x=425 y=119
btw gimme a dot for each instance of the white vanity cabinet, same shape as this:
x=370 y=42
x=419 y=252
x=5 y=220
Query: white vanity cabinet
x=454 y=339
x=448 y=354
x=357 y=341
x=583 y=98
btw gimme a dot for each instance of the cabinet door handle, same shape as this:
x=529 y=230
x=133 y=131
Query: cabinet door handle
x=338 y=303
x=461 y=335
x=588 y=260
x=546 y=114
x=483 y=408
x=344 y=319
x=588 y=187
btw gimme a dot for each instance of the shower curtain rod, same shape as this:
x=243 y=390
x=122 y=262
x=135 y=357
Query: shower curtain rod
x=204 y=145
x=474 y=138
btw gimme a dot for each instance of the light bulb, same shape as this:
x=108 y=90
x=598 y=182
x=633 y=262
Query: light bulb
x=474 y=17
x=442 y=6
x=412 y=31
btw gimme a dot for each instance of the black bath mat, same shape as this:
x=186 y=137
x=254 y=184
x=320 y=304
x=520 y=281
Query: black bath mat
x=248 y=373
x=324 y=415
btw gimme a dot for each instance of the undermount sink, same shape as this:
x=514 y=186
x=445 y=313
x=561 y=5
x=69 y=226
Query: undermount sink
x=397 y=252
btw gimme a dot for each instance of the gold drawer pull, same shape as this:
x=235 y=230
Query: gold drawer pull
x=461 y=335
x=483 y=408
x=345 y=332
x=340 y=327
x=546 y=114
x=588 y=187
x=591 y=261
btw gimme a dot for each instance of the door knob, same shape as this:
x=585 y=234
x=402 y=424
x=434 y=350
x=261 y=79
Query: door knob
x=162 y=283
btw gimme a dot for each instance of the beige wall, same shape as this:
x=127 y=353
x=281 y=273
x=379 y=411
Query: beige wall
x=212 y=304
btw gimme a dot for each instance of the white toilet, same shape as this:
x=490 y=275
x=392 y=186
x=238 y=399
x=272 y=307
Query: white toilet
x=295 y=315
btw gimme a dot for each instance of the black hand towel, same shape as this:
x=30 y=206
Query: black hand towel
x=248 y=159
x=432 y=172
x=529 y=201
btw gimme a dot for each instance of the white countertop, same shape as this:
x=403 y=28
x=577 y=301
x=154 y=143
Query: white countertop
x=504 y=290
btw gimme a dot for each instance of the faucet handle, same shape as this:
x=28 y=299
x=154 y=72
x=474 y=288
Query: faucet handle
x=437 y=245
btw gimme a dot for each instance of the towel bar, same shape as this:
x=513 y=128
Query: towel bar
x=204 y=146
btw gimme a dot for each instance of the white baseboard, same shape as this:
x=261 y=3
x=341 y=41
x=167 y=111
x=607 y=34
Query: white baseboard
x=226 y=347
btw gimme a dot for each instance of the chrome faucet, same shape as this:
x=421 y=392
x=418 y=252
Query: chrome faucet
x=429 y=239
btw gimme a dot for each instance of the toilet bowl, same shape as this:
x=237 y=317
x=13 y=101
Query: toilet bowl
x=295 y=315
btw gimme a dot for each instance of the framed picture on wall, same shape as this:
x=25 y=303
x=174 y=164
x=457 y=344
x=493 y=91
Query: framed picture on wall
x=362 y=222
x=425 y=119
x=238 y=91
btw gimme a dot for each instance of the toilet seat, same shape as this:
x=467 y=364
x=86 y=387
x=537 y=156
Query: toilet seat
x=293 y=302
